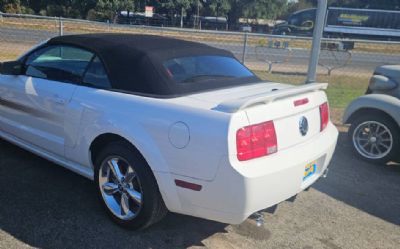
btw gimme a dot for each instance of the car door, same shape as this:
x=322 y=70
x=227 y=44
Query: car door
x=33 y=106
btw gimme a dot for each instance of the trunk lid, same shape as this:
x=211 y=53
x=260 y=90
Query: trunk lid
x=268 y=102
x=295 y=112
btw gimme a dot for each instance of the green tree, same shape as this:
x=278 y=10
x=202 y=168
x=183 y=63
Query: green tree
x=107 y=9
x=178 y=7
x=219 y=7
x=174 y=6
x=266 y=9
x=10 y=6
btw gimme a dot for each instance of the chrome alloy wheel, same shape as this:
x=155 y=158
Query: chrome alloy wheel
x=373 y=140
x=120 y=188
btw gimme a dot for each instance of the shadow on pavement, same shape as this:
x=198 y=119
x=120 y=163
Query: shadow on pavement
x=374 y=189
x=47 y=206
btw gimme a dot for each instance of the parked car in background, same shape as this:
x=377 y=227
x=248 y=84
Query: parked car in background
x=164 y=124
x=375 y=118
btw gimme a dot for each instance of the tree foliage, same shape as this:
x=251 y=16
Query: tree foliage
x=233 y=9
x=268 y=9
x=218 y=7
x=107 y=9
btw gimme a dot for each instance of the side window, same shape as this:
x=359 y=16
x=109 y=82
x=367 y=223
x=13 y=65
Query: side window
x=59 y=63
x=294 y=20
x=306 y=17
x=96 y=75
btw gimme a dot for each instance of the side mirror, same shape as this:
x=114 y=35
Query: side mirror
x=11 y=68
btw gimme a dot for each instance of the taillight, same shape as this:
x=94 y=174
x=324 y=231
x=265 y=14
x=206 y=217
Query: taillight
x=324 y=113
x=256 y=141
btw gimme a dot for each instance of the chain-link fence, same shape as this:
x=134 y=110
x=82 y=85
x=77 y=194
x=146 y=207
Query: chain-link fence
x=346 y=64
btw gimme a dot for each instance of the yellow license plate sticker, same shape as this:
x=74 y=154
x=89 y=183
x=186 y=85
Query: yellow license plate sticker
x=310 y=170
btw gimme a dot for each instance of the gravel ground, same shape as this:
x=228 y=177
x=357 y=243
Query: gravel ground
x=45 y=206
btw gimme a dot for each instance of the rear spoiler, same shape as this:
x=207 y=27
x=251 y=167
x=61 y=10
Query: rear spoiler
x=235 y=105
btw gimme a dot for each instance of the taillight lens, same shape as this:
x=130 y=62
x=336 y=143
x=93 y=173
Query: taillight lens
x=256 y=141
x=324 y=113
x=300 y=102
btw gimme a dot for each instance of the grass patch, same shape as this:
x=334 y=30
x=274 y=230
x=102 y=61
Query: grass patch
x=8 y=56
x=341 y=91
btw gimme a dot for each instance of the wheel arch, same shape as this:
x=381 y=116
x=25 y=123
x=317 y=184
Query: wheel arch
x=373 y=103
x=138 y=140
x=369 y=111
x=103 y=140
x=164 y=184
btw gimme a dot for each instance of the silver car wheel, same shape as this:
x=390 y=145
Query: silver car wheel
x=372 y=140
x=120 y=188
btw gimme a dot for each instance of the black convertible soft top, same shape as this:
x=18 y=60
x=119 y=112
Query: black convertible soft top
x=134 y=63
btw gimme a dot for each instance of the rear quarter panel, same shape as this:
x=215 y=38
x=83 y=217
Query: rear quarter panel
x=146 y=123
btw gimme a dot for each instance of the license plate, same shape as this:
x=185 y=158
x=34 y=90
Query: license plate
x=310 y=170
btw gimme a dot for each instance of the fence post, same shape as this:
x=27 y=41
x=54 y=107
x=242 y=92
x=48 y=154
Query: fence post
x=61 y=26
x=316 y=44
x=244 y=47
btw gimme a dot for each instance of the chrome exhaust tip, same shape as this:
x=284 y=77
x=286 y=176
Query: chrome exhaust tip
x=258 y=217
x=325 y=174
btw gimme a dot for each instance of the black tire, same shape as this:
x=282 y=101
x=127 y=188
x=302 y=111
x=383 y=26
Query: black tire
x=153 y=208
x=393 y=129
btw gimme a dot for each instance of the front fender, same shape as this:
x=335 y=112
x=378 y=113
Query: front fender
x=381 y=102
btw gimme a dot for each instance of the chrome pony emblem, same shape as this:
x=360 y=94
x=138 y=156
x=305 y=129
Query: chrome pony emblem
x=303 y=126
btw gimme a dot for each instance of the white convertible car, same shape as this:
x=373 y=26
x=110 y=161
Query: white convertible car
x=162 y=124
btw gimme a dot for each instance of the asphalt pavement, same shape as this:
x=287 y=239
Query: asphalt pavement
x=46 y=206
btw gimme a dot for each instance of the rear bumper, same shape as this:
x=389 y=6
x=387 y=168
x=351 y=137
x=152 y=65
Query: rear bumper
x=240 y=189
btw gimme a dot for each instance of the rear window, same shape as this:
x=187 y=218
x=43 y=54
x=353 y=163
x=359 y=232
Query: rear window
x=205 y=68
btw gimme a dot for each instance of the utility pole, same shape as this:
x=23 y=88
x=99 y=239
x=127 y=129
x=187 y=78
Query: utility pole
x=316 y=43
x=182 y=17
x=198 y=14
x=216 y=18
